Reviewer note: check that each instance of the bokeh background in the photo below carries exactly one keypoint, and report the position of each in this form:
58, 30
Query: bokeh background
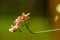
41, 18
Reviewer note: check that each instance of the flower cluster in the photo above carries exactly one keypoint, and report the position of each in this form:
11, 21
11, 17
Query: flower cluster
19, 21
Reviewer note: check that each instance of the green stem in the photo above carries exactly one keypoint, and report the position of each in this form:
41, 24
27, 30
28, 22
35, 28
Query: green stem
27, 26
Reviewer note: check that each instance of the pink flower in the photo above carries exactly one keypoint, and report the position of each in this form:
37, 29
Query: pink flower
25, 16
18, 21
13, 28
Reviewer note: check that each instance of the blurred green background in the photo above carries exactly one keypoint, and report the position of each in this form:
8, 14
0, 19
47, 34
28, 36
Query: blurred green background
11, 9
